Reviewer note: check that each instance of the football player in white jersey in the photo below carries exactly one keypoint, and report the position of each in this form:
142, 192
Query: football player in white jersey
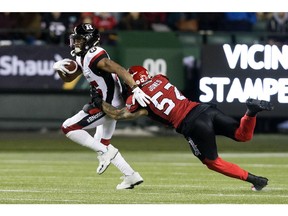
102, 74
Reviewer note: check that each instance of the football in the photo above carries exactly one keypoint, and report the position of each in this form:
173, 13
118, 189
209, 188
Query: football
72, 66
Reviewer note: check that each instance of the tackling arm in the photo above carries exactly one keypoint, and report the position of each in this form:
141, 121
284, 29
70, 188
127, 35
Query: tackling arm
122, 114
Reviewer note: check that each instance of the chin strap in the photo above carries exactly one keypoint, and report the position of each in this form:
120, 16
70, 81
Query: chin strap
73, 53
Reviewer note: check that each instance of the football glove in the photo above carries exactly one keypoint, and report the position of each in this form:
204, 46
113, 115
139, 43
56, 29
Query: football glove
96, 97
141, 97
60, 66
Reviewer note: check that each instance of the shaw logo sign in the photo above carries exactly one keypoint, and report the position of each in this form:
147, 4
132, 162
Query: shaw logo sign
28, 67
13, 66
232, 74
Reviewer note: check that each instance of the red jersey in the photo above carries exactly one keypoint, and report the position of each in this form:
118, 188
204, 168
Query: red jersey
167, 105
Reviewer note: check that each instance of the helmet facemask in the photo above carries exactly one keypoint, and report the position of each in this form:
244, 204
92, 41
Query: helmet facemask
83, 38
77, 44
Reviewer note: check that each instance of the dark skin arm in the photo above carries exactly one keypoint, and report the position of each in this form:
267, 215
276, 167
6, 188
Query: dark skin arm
122, 114
107, 65
110, 66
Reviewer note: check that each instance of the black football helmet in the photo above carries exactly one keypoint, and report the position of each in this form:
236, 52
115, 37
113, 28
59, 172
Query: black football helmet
86, 36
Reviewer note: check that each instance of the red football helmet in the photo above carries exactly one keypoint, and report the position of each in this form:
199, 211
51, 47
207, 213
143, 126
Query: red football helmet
139, 74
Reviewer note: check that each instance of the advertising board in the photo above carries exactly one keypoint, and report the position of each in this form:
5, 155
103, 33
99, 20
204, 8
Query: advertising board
230, 74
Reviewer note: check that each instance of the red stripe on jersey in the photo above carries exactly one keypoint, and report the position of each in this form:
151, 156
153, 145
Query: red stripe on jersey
94, 111
94, 83
71, 128
105, 141
103, 52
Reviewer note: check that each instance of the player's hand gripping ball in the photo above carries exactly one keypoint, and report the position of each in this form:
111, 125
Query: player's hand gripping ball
71, 66
66, 66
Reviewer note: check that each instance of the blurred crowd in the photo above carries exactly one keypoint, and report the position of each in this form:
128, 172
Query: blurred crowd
54, 28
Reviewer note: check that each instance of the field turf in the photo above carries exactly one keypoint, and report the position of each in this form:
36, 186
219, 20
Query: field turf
49, 169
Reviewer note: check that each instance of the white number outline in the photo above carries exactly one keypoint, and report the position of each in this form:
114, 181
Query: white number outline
171, 104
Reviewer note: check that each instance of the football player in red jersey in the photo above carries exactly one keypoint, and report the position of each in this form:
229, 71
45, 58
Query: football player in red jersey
199, 123
102, 74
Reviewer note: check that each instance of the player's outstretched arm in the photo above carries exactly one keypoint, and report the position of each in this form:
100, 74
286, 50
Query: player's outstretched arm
113, 67
121, 114
110, 66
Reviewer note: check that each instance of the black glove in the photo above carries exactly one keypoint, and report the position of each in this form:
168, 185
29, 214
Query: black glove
96, 97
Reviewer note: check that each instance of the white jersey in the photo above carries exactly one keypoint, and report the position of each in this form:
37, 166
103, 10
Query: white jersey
107, 83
